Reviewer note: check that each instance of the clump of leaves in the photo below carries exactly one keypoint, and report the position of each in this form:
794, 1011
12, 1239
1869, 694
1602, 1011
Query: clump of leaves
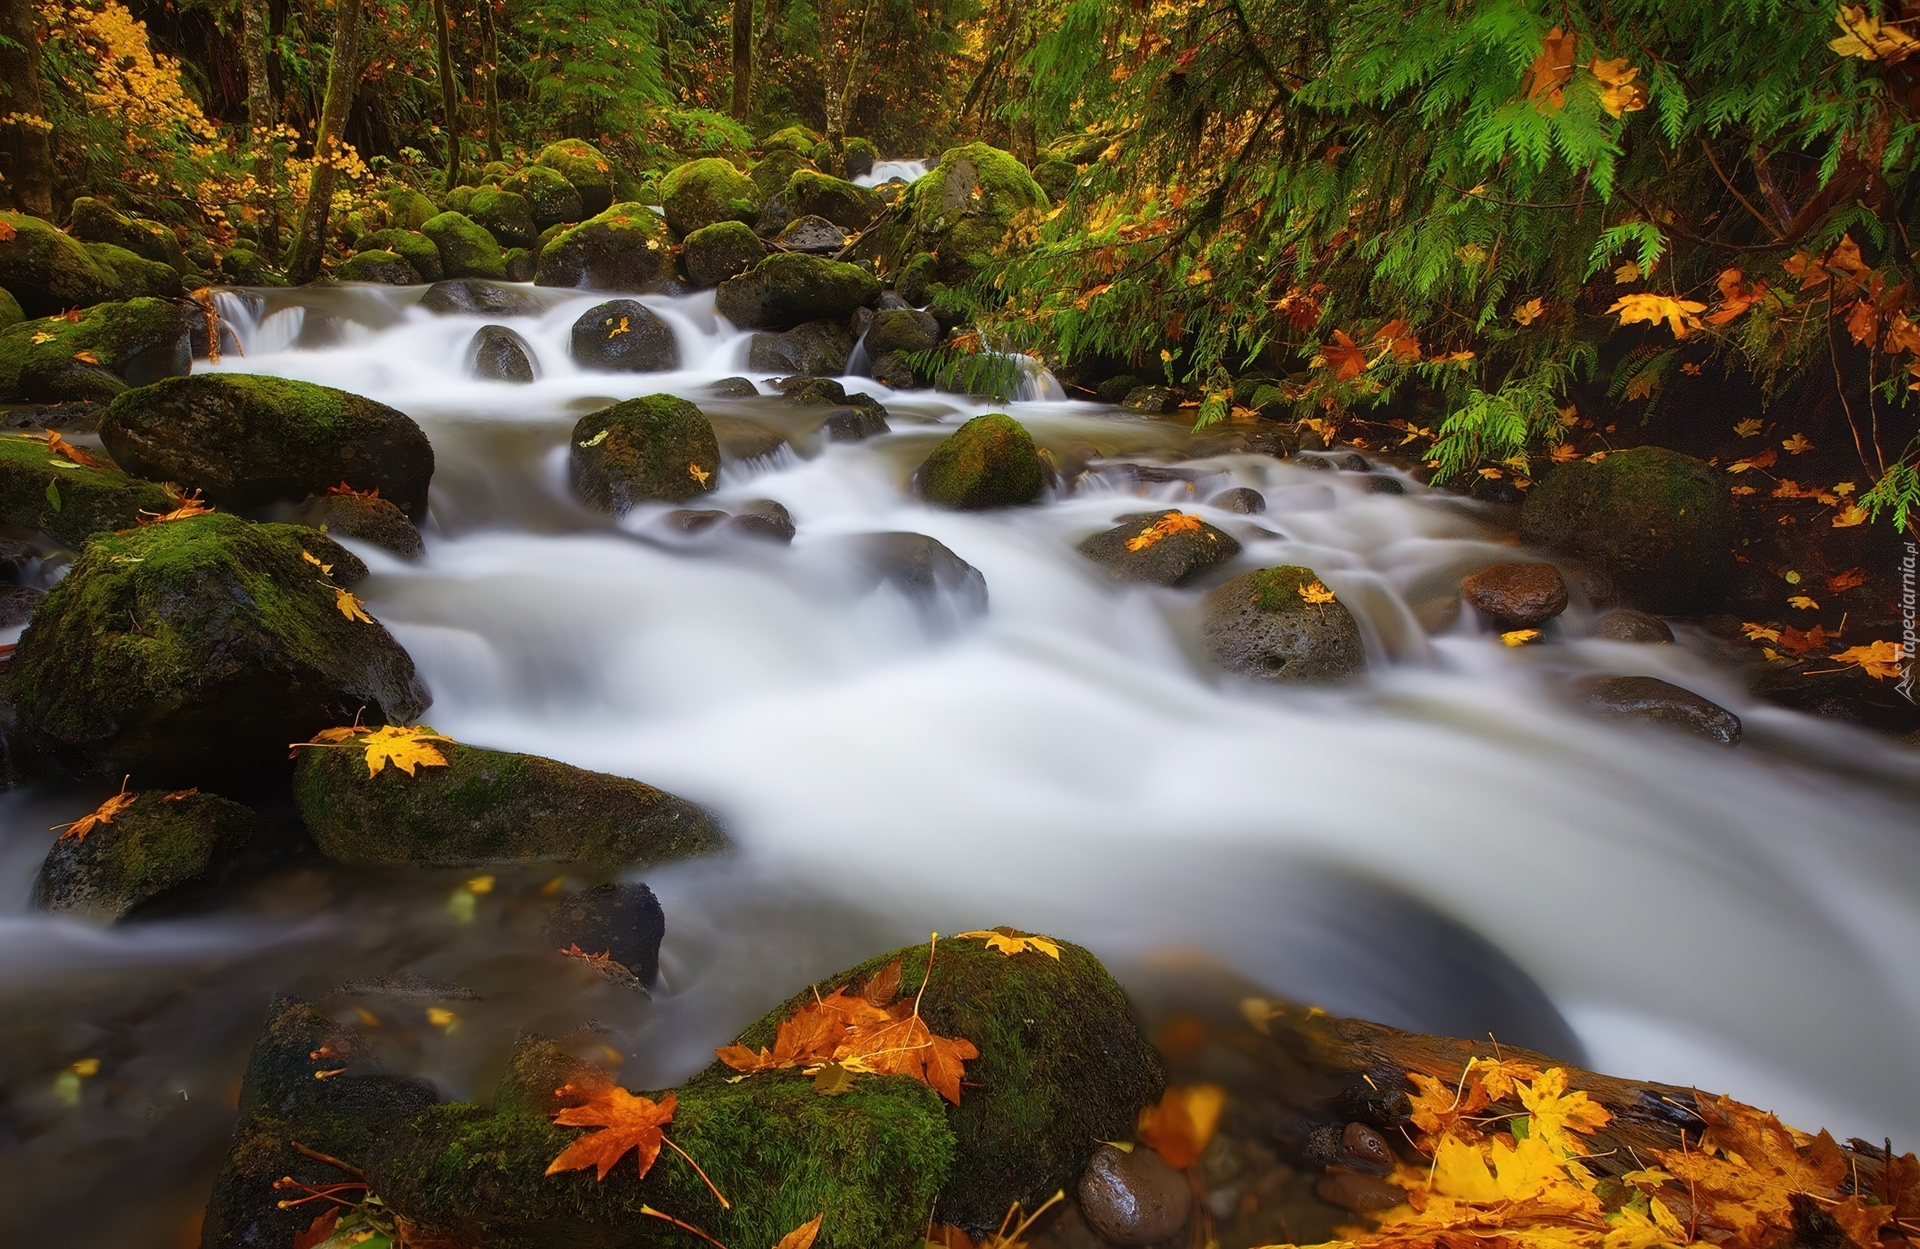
102, 814
1165, 527
406, 746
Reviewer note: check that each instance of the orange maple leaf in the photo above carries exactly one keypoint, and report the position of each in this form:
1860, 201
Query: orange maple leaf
802, 1236
907, 1047
102, 814
628, 1122
344, 489
1551, 70
1800, 643
1763, 460
1878, 660
1344, 357
1180, 1125
61, 447
189, 506
1841, 582
1165, 527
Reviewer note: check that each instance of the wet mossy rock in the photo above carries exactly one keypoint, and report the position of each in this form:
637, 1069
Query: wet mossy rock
96, 221
788, 289
1261, 625
134, 275
816, 349
550, 197
1172, 560
1660, 524
1063, 1066
48, 270
582, 165
192, 652
714, 253
658, 448
861, 156
491, 808
415, 247
990, 461
162, 842
407, 209
472, 297
797, 139
966, 207
702, 192
10, 313
387, 268
622, 249
505, 215
247, 440
466, 249
372, 520
773, 170
871, 1161
131, 344
847, 205
623, 336
70, 503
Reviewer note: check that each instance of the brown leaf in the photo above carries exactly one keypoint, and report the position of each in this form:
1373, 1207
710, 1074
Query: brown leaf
1551, 70
883, 986
320, 1230
802, 1236
627, 1122
1180, 1125
1344, 357
102, 814
1841, 582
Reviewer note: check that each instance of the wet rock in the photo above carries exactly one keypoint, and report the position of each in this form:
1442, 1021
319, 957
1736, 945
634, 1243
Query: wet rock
1150, 399
1660, 524
95, 221
1133, 1198
505, 215
522, 265
585, 169
18, 603
1382, 484
1173, 560
742, 439
814, 235
1517, 596
374, 520
845, 204
1353, 462
765, 519
733, 388
848, 424
247, 440
859, 156
551, 199
1260, 625
624, 248
387, 268
164, 841
788, 289
693, 520
989, 462
967, 206
921, 569
720, 251
492, 808
497, 354
1649, 698
192, 652
1624, 624
130, 344
817, 349
466, 249
1243, 499
473, 298
894, 371
772, 171
72, 503
702, 192
625, 336
621, 920
48, 270
1365, 1194
657, 448
902, 331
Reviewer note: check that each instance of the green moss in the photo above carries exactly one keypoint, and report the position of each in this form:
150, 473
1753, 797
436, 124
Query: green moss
505, 215
70, 503
492, 807
95, 221
582, 165
466, 249
48, 271
550, 197
407, 209
624, 248
1063, 1066
792, 139
701, 192
135, 343
714, 253
988, 462
377, 266
964, 209
654, 448
134, 275
241, 266
158, 844
10, 312
772, 171
789, 288
861, 156
415, 247
847, 205
460, 199
1278, 589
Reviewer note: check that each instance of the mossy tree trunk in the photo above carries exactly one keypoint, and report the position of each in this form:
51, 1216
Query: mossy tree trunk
263, 119
490, 77
449, 94
839, 102
23, 142
742, 58
343, 80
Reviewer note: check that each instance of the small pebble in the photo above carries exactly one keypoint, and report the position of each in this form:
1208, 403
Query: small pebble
1243, 499
1133, 1198
1624, 624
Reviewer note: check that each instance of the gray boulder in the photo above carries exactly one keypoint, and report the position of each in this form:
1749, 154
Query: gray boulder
623, 335
1261, 625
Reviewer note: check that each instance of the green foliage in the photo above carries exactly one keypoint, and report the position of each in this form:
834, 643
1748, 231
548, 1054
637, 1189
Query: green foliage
594, 67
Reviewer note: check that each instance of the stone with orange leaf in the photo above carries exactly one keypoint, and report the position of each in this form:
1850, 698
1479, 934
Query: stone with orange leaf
138, 846
1282, 624
1163, 548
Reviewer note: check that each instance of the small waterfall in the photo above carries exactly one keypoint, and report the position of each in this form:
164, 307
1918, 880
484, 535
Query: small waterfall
887, 170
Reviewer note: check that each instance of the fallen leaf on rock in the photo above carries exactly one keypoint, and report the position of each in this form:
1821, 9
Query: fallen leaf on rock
1800, 643
326, 570
350, 605
801, 1237
1849, 516
1764, 459
1749, 428
1802, 602
187, 507
1797, 444
1556, 1113
1165, 527
344, 490
1760, 632
405, 746
179, 795
602, 959
40, 336
627, 1122
1010, 942
60, 446
1179, 1126
1315, 593
86, 357
1878, 660
102, 814
699, 475
832, 1080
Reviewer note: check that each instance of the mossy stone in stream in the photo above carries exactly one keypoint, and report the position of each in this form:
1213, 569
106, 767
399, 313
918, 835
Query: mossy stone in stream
846, 204
624, 248
1660, 524
658, 448
717, 252
1063, 1065
861, 156
585, 168
988, 462
492, 807
160, 843
1173, 558
48, 270
966, 207
111, 347
134, 275
249, 440
796, 138
550, 197
389, 268
1261, 625
789, 289
373, 520
702, 192
69, 503
415, 247
505, 215
192, 652
466, 249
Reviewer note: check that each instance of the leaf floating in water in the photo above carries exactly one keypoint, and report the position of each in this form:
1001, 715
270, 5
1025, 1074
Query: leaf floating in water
1519, 637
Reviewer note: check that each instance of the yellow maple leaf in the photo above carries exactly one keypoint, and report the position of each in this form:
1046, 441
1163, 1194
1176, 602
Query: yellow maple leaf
350, 606
1501, 1076
1165, 527
1314, 592
1849, 516
102, 814
1760, 632
311, 558
86, 357
405, 746
617, 330
1556, 1113
1519, 637
1749, 428
40, 336
1630, 1229
1682, 316
1802, 602
1564, 453
1797, 444
1529, 312
1010, 943
1866, 37
801, 1237
1878, 660
1629, 272
1619, 93
699, 475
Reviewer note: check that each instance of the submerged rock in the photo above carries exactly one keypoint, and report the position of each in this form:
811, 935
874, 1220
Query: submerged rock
1650, 698
497, 354
70, 503
474, 298
922, 569
1243, 499
733, 388
656, 448
247, 440
1517, 596
624, 336
1189, 548
717, 252
816, 349
110, 348
621, 249
160, 843
1624, 624
788, 289
194, 651
764, 519
1260, 625
990, 461
1133, 1197
621, 920
492, 808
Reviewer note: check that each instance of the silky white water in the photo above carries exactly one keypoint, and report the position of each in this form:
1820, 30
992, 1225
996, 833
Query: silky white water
1738, 920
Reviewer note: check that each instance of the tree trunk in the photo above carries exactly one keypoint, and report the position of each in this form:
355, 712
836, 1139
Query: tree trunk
449, 97
837, 105
490, 78
23, 142
343, 80
263, 119
742, 58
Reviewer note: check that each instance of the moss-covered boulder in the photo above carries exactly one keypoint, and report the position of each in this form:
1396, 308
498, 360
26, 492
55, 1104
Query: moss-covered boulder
796, 138
192, 652
408, 209
460, 198
1055, 176
1266, 625
860, 156
1063, 1065
471, 297
772, 172
134, 275
466, 249
714, 253
657, 448
623, 336
704, 191
370, 519
582, 165
988, 462
506, 215
248, 440
625, 248
387, 268
10, 311
416, 248
1165, 548
49, 270
165, 840
550, 197
904, 330
96, 221
111, 347
50, 494
492, 808
1660, 524
847, 205
965, 208
787, 289
522, 264
242, 266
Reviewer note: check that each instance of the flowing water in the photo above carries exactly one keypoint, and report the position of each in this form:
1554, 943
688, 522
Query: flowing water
886, 170
1442, 846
